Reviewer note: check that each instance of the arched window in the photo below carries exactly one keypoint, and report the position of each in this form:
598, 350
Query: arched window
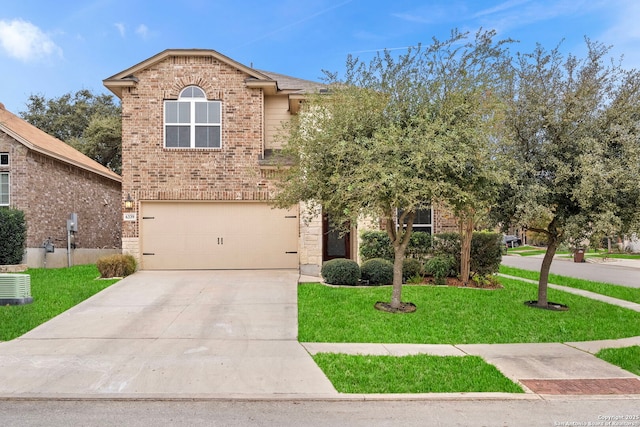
192, 121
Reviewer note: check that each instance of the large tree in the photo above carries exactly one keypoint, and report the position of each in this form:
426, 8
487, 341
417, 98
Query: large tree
470, 113
380, 142
574, 148
90, 123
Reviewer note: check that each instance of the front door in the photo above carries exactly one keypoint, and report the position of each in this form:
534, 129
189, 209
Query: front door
334, 243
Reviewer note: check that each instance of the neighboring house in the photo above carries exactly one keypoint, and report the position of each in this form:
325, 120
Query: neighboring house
49, 180
198, 130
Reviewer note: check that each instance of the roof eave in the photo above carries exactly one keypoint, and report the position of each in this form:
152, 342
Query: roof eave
270, 87
112, 175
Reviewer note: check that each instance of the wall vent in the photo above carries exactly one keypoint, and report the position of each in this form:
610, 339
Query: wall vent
15, 289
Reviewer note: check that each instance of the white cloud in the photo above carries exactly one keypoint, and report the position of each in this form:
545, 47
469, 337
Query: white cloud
121, 28
142, 31
623, 33
26, 42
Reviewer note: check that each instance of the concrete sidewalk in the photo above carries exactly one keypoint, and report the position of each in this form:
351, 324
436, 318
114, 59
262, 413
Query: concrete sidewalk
545, 369
233, 335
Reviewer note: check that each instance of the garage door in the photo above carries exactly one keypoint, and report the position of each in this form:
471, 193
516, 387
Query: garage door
224, 235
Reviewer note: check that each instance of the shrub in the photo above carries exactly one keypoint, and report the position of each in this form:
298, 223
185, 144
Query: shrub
377, 271
116, 265
411, 268
341, 271
420, 245
486, 251
13, 236
440, 267
375, 244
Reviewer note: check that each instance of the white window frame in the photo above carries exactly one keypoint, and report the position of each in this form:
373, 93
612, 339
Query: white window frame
4, 156
415, 224
8, 193
193, 99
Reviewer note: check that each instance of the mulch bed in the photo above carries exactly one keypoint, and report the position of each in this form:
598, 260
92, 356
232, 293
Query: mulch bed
454, 281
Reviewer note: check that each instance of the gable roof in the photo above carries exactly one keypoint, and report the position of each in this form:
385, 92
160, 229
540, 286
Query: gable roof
270, 82
43, 143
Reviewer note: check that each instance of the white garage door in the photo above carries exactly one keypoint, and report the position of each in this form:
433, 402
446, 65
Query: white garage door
217, 235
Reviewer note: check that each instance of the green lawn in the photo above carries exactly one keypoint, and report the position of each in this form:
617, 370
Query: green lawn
615, 291
53, 291
448, 315
627, 357
413, 374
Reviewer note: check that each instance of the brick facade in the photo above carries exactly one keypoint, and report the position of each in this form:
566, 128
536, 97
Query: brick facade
152, 172
49, 190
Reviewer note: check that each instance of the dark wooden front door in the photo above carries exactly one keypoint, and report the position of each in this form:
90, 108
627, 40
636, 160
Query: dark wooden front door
334, 244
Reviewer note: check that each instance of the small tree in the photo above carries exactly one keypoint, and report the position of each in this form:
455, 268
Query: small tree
13, 236
574, 149
380, 144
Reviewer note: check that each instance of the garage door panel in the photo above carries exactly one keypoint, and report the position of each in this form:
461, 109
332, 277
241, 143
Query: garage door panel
222, 235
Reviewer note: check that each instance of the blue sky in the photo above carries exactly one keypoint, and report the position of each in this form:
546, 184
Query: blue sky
55, 47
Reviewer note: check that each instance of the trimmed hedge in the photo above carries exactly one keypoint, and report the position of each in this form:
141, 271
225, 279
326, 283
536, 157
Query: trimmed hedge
486, 250
13, 236
376, 244
377, 271
440, 267
116, 265
411, 267
341, 271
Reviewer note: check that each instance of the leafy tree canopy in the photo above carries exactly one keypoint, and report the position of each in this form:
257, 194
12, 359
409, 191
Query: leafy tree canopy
393, 135
90, 123
574, 148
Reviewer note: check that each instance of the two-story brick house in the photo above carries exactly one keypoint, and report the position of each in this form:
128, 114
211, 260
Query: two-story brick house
197, 130
49, 180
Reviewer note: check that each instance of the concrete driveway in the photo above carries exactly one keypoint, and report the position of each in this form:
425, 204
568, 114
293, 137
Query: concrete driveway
185, 334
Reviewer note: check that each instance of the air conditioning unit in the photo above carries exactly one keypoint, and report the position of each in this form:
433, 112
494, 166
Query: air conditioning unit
15, 289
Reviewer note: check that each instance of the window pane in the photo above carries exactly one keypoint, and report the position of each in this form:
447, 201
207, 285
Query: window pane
170, 112
177, 136
214, 112
184, 112
208, 112
423, 216
201, 112
4, 189
4, 159
192, 92
207, 136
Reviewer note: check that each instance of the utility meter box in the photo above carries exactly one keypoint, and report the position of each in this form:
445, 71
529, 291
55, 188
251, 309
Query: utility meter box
72, 223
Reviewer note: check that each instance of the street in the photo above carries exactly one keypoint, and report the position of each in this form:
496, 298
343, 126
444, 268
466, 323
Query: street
437, 412
625, 273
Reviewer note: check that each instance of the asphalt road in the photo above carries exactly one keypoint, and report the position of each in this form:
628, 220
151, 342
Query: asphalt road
489, 413
625, 273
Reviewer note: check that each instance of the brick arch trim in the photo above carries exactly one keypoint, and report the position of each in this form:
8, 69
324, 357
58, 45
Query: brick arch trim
210, 91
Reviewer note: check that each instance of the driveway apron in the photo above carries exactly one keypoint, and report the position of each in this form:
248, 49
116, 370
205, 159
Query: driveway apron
170, 334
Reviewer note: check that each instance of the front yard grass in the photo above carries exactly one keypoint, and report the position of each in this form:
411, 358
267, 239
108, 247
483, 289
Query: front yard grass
449, 315
615, 291
54, 291
413, 374
627, 357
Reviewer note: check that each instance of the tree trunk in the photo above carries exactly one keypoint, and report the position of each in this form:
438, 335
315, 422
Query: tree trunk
466, 234
400, 241
544, 272
396, 295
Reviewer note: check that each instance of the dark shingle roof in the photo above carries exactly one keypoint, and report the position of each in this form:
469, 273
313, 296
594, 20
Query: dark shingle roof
293, 84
